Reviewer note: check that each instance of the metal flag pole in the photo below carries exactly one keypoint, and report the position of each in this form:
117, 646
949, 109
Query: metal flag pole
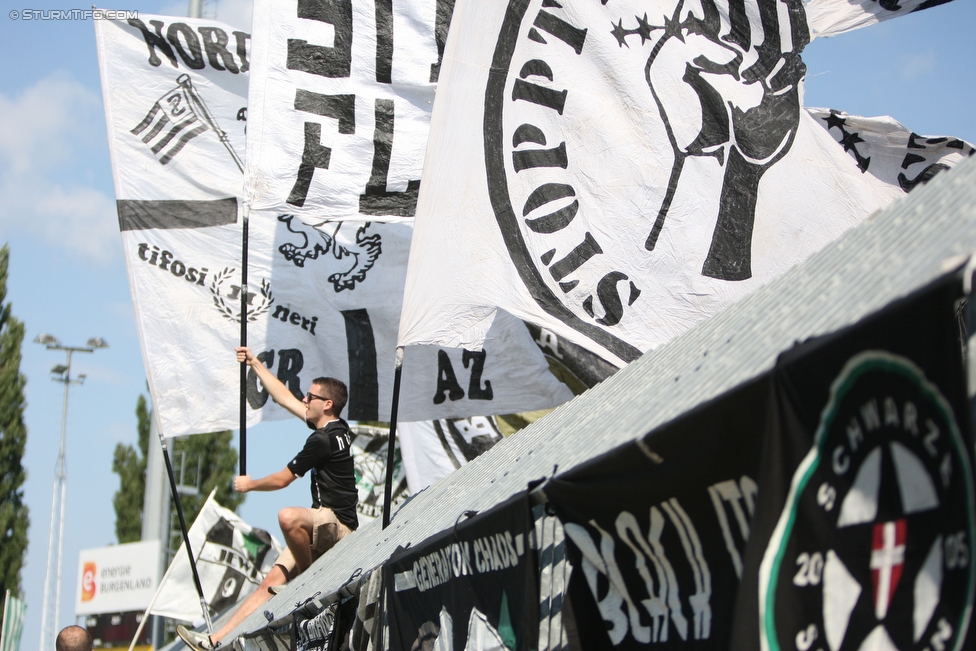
207, 116
242, 442
391, 443
186, 534
201, 109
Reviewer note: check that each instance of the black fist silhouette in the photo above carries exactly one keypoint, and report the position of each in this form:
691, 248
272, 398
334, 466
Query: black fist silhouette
725, 78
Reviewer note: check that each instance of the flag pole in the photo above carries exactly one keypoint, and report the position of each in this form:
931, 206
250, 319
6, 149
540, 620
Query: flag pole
187, 84
186, 535
146, 614
242, 442
391, 443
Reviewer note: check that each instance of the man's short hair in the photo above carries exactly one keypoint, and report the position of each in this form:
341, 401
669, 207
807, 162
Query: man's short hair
335, 390
73, 638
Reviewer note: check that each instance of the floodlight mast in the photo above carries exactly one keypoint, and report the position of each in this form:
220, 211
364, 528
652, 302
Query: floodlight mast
51, 609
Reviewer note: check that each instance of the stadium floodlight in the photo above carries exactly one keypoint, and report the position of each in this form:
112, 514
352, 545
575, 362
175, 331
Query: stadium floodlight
51, 606
46, 339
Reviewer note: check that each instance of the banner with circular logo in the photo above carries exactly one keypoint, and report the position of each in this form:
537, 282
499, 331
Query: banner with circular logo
873, 535
618, 171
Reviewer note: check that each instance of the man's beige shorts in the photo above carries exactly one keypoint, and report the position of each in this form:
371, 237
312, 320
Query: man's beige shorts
326, 532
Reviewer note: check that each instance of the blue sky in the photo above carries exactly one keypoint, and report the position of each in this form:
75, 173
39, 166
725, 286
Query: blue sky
67, 276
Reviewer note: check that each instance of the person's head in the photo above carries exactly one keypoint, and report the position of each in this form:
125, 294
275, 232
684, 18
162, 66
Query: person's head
324, 401
73, 638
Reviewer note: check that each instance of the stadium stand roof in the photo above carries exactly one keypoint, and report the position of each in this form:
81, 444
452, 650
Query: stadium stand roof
888, 256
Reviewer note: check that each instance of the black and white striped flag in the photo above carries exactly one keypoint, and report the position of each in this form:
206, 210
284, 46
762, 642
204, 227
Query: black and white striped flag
171, 122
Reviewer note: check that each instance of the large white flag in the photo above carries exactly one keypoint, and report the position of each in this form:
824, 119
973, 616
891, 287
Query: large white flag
889, 151
618, 171
175, 95
337, 290
323, 298
232, 559
341, 94
339, 108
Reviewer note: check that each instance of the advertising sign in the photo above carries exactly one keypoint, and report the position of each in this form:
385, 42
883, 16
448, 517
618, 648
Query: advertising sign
117, 578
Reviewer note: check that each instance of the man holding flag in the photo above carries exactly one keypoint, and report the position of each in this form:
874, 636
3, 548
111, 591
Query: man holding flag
309, 533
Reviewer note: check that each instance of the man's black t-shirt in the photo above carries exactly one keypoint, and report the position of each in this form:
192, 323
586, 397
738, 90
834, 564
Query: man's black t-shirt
334, 480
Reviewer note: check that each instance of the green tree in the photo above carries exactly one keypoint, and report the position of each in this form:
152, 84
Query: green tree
14, 518
201, 460
130, 465
207, 461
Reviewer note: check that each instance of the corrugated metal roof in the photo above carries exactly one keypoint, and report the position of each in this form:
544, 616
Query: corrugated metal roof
888, 256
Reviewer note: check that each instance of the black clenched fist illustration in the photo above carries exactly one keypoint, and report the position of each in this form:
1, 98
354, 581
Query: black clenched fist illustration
725, 77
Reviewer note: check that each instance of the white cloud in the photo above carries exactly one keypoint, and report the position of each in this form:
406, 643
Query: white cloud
35, 128
82, 218
176, 8
52, 144
108, 374
917, 65
118, 432
236, 13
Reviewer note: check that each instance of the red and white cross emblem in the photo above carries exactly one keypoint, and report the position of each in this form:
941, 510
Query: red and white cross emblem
887, 562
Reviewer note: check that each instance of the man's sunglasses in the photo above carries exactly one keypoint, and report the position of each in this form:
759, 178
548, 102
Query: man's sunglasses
311, 396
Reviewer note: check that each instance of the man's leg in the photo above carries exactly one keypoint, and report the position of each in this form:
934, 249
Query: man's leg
297, 525
254, 600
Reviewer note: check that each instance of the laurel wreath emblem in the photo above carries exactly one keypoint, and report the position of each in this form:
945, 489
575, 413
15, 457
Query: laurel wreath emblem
267, 298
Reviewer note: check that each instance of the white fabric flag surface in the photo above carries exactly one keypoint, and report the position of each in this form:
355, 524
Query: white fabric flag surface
615, 172
889, 151
434, 449
232, 558
322, 301
336, 314
341, 94
175, 93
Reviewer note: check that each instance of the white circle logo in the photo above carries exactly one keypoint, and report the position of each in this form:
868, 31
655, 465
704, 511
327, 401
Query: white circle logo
703, 103
872, 550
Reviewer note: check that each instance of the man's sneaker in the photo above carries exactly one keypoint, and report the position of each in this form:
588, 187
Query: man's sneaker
196, 641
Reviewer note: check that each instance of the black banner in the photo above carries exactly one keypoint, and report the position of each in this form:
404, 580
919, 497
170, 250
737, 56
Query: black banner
656, 528
866, 520
475, 583
329, 629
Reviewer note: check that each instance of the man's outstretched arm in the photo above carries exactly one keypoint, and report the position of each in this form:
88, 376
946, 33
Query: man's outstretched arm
273, 482
275, 387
